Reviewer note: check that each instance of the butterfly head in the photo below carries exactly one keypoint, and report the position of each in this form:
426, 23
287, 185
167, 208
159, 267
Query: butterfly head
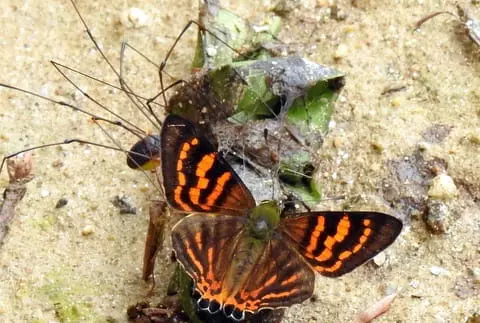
145, 154
263, 220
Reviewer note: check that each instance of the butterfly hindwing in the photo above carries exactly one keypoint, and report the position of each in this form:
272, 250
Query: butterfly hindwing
196, 177
204, 244
335, 243
279, 279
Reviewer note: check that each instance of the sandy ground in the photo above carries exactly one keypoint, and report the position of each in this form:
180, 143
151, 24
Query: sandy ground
48, 266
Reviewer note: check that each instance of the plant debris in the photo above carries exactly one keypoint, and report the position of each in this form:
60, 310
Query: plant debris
377, 309
20, 172
471, 24
123, 203
155, 237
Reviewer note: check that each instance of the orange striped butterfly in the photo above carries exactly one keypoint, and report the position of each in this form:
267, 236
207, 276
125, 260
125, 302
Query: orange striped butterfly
244, 257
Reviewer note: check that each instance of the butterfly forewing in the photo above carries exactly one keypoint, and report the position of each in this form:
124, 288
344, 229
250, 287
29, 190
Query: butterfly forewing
335, 243
195, 176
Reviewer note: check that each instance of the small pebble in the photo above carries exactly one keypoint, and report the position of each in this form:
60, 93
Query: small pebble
135, 18
349, 28
475, 138
337, 142
211, 51
332, 124
380, 259
124, 204
396, 102
423, 146
377, 146
442, 188
61, 203
475, 272
341, 52
437, 216
44, 193
475, 318
435, 270
88, 230
323, 3
414, 284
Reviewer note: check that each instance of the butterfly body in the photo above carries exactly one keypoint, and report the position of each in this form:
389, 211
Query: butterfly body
244, 257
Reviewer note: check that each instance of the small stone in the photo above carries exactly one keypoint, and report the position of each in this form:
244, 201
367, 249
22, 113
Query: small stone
377, 146
390, 289
88, 230
323, 3
475, 138
475, 318
435, 270
135, 18
124, 204
337, 142
423, 146
349, 28
332, 124
362, 4
475, 272
396, 102
437, 216
341, 52
380, 259
442, 188
61, 203
211, 51
414, 284
44, 193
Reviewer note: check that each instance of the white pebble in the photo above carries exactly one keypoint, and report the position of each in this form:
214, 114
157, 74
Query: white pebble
435, 270
414, 284
135, 18
331, 124
44, 193
211, 51
88, 230
341, 52
442, 188
380, 259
